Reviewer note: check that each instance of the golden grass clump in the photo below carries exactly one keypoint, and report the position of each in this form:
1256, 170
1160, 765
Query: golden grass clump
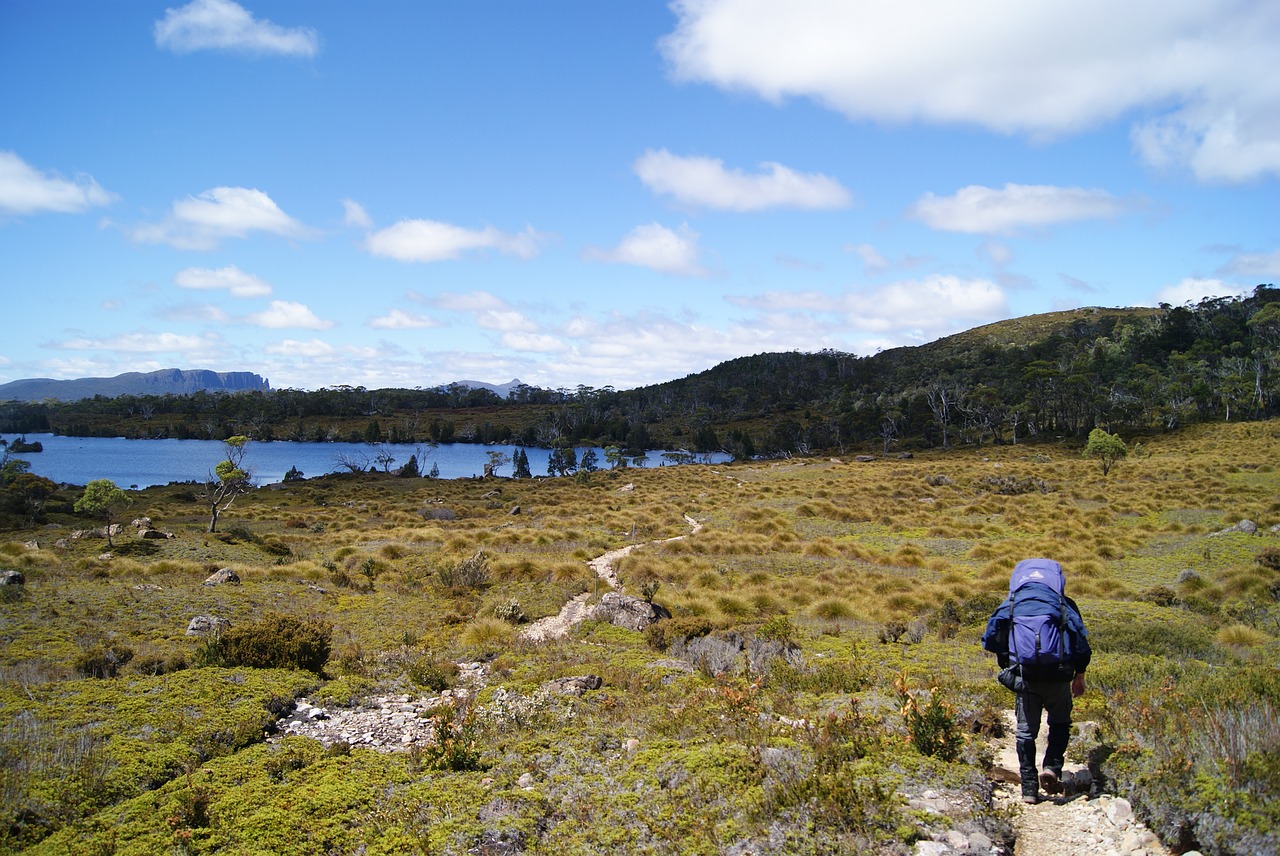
1240, 636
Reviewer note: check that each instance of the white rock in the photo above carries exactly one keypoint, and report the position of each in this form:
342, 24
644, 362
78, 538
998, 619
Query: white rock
1120, 812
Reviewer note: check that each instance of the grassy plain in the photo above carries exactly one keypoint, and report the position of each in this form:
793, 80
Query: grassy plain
843, 679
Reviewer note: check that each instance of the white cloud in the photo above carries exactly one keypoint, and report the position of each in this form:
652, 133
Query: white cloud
1254, 264
224, 25
312, 349
704, 182
933, 305
26, 190
1193, 290
143, 342
235, 281
286, 313
657, 247
534, 342
355, 215
398, 319
983, 210
906, 312
196, 313
433, 241
472, 301
1195, 67
202, 222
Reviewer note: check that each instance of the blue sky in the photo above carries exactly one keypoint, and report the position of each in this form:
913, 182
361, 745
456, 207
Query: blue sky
407, 193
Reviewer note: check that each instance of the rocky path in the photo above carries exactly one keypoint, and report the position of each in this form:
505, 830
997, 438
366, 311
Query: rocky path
606, 568
1072, 823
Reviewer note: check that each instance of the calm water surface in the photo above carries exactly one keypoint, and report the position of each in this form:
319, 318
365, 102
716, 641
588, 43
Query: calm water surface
143, 463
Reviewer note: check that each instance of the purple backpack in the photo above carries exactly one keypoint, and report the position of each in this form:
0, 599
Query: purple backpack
1037, 633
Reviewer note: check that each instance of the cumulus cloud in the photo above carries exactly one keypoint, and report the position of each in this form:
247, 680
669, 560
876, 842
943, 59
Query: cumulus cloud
705, 182
904, 312
398, 319
227, 26
433, 241
657, 247
1193, 68
288, 314
235, 281
353, 214
488, 311
26, 190
203, 222
1193, 290
984, 210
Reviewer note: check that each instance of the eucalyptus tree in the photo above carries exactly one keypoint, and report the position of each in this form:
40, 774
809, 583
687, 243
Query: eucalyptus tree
228, 480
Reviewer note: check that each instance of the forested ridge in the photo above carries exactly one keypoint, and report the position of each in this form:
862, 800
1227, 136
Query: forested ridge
1058, 374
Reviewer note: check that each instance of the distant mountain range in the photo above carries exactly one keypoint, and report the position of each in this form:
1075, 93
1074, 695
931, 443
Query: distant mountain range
163, 382
502, 390
170, 382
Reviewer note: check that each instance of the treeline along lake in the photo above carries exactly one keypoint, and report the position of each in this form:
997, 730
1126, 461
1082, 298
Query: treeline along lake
144, 463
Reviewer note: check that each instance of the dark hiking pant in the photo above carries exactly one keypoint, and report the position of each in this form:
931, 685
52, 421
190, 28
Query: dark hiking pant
1042, 698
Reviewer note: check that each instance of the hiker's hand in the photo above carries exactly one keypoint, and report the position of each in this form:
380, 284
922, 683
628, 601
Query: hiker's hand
1077, 686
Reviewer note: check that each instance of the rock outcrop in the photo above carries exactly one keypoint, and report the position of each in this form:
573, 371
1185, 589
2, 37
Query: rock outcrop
624, 610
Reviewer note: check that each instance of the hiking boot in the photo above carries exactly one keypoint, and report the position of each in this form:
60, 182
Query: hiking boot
1051, 781
1030, 799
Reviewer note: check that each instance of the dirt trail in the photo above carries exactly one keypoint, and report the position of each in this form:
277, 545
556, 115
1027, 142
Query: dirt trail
606, 568
1072, 823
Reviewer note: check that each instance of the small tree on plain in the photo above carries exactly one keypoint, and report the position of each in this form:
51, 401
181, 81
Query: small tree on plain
497, 460
1107, 448
101, 498
229, 480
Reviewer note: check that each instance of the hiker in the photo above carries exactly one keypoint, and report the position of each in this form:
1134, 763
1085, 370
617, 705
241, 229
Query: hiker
1042, 646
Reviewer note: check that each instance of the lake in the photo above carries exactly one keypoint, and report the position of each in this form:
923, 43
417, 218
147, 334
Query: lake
143, 463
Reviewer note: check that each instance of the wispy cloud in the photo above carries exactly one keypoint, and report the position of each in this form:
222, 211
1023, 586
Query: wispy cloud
226, 26
873, 262
26, 190
202, 222
434, 241
283, 314
236, 282
986, 211
144, 342
1254, 264
656, 247
704, 182
398, 319
355, 215
1012, 67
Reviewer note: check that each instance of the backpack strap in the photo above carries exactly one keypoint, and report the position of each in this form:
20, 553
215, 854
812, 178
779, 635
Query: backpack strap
1012, 644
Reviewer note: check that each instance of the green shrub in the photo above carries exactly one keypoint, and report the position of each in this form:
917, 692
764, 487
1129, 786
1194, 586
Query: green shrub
662, 634
277, 642
103, 661
1169, 638
433, 675
456, 745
